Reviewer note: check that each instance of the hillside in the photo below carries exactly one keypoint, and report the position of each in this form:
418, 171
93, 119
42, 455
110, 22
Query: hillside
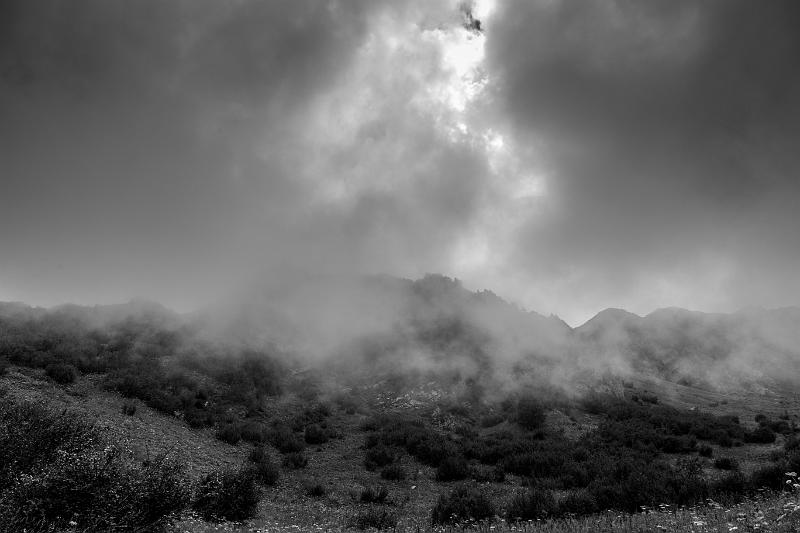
440, 401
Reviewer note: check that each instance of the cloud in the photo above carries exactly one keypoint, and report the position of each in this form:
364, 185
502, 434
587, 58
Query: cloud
569, 156
666, 129
178, 149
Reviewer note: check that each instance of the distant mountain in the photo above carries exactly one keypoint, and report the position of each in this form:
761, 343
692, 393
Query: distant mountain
434, 325
712, 349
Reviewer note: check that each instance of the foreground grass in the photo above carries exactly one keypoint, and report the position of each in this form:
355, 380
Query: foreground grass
765, 513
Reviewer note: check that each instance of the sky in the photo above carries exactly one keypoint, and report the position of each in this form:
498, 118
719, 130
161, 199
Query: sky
569, 156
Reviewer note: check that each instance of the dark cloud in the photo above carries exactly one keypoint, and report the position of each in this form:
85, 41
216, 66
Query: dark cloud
669, 129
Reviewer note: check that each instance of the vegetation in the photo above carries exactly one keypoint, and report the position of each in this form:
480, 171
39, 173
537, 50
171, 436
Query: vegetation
58, 469
463, 504
228, 495
637, 452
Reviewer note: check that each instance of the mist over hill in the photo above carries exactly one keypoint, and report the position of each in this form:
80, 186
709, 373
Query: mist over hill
435, 328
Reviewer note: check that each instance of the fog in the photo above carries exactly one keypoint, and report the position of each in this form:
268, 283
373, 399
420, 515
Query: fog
568, 157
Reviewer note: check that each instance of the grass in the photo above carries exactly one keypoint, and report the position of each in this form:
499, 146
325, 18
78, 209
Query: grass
764, 513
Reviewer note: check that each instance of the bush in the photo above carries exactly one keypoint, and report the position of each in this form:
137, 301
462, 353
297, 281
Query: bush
394, 472
253, 432
374, 518
706, 451
54, 467
230, 433
531, 505
129, 408
732, 483
486, 473
726, 463
452, 468
377, 494
316, 490
492, 420
530, 413
761, 435
295, 460
265, 471
462, 504
257, 454
61, 373
284, 439
314, 434
232, 495
577, 503
379, 455
769, 477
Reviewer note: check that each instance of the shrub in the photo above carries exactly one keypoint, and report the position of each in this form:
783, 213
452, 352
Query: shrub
316, 490
377, 494
284, 439
452, 468
705, 451
726, 463
491, 420
530, 413
379, 455
768, 477
314, 434
253, 432
312, 415
295, 460
61, 373
730, 483
577, 503
394, 472
461, 504
230, 433
3, 366
257, 454
265, 471
129, 408
762, 435
533, 504
232, 495
374, 518
347, 403
55, 466
792, 443
486, 473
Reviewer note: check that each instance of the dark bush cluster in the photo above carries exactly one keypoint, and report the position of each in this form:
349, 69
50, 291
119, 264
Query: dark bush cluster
726, 463
228, 495
394, 472
464, 503
295, 460
61, 373
316, 490
56, 468
265, 471
530, 412
531, 505
315, 434
283, 438
427, 445
452, 468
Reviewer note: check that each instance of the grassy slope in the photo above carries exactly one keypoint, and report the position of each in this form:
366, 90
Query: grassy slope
338, 464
